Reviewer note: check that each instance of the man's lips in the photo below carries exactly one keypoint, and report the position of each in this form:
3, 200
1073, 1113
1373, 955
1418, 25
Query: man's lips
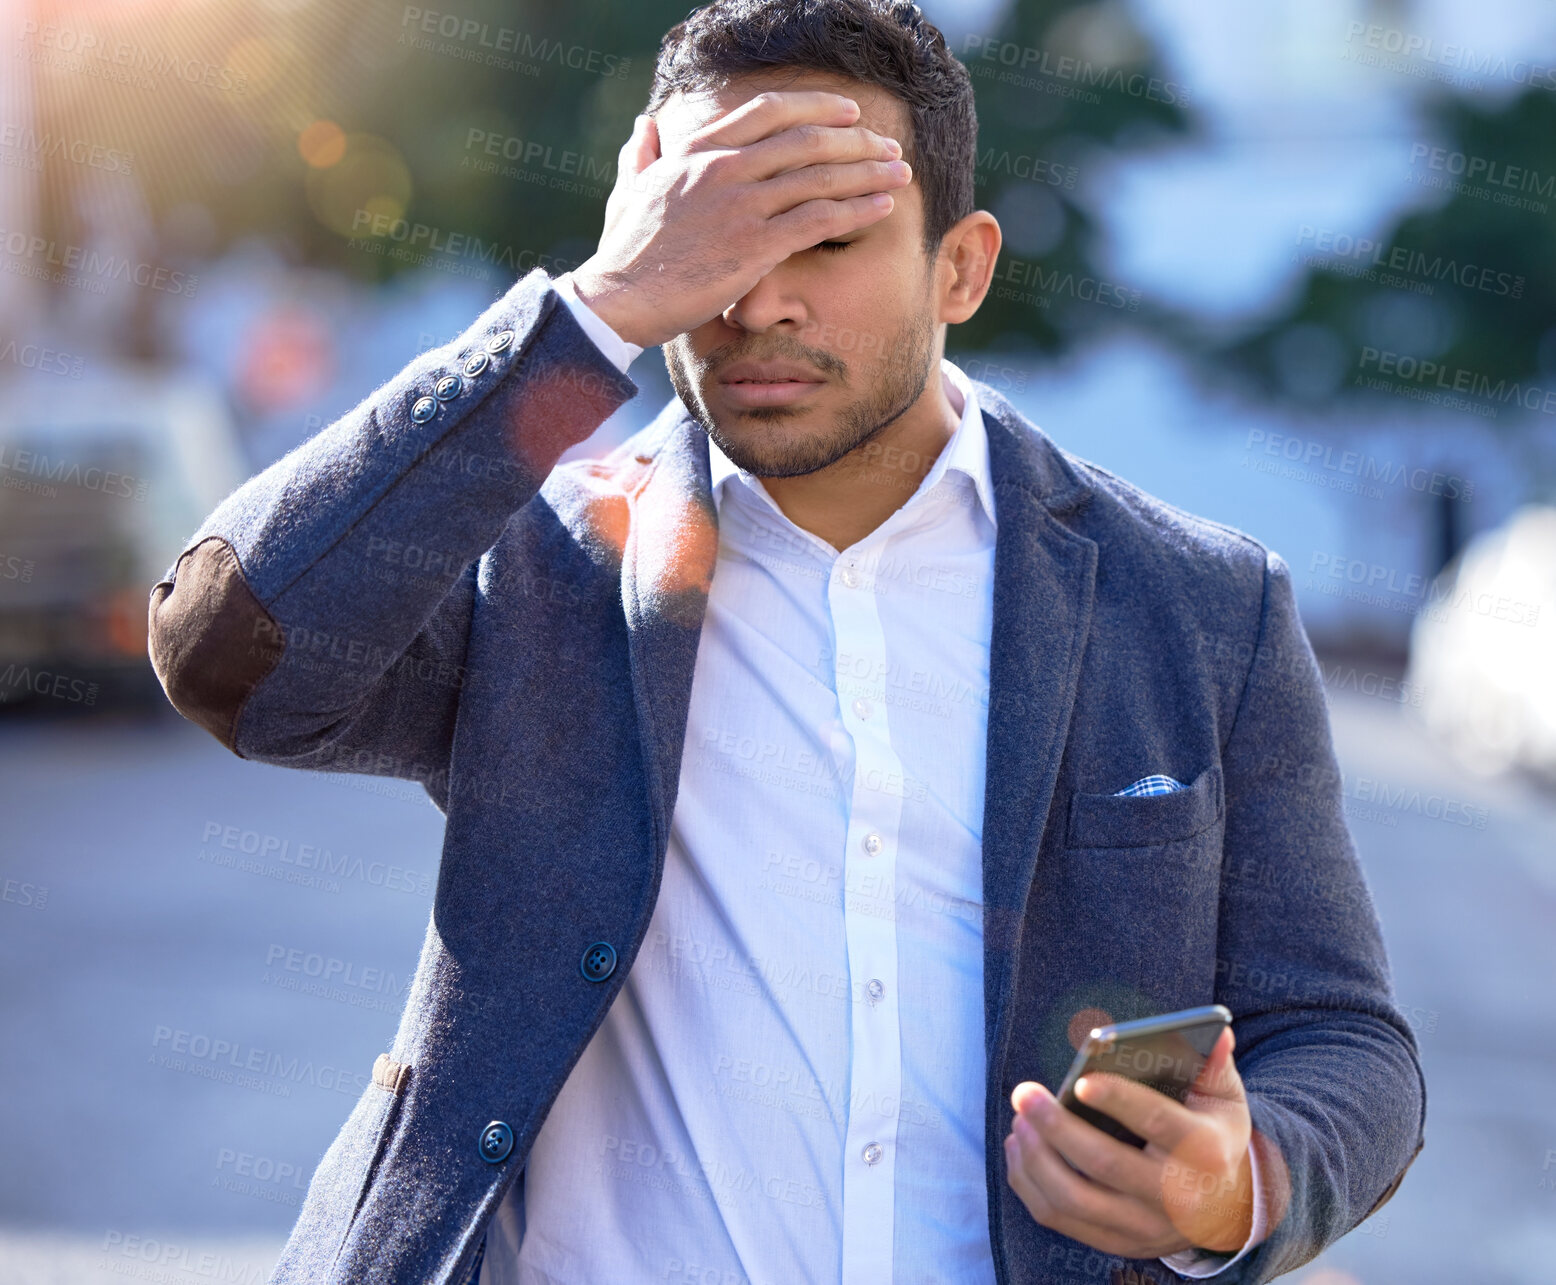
750, 394
752, 383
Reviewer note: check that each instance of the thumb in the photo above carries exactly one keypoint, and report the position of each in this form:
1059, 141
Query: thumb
1218, 1079
642, 149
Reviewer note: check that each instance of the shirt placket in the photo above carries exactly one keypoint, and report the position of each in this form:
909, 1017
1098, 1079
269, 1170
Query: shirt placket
870, 869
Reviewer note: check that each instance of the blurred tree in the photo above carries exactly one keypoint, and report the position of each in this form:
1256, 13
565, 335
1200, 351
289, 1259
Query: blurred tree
331, 129
493, 128
1062, 86
1452, 301
1057, 82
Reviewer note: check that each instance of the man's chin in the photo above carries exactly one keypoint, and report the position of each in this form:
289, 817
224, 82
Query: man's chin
769, 445
770, 414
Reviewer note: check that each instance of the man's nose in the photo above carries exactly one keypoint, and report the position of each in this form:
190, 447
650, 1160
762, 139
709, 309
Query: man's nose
770, 302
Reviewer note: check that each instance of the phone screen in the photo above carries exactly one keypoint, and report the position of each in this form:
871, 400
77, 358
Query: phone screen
1165, 1054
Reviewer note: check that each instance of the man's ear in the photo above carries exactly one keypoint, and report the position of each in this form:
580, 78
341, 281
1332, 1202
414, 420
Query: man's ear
964, 266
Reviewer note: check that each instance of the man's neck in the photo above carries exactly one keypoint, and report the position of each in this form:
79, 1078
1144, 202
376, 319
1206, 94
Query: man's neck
850, 498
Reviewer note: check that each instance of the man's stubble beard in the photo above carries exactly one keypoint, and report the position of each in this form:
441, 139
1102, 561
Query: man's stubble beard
903, 379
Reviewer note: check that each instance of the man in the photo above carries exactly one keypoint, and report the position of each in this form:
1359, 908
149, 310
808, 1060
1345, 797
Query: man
818, 767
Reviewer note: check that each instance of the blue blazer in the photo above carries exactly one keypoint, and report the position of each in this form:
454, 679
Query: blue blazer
419, 591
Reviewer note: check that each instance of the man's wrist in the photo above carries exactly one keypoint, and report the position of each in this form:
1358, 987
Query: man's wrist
1236, 1211
610, 304
621, 352
1199, 1263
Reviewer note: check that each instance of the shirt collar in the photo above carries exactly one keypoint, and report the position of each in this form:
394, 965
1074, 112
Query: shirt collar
967, 452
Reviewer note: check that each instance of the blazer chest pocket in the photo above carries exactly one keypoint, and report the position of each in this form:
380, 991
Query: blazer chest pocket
1126, 821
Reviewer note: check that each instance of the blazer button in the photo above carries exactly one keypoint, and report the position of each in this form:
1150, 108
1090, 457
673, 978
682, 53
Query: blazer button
476, 364
598, 962
499, 342
496, 1142
424, 410
447, 389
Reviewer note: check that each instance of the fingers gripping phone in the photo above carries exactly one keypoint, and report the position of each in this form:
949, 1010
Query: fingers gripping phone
1164, 1053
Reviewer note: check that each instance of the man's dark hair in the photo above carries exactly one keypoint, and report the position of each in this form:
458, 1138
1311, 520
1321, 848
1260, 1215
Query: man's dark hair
880, 42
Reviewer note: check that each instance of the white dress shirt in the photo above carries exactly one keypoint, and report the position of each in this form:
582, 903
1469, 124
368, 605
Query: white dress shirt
790, 1085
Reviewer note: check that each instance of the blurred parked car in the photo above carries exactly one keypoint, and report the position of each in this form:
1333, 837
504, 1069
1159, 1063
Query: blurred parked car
101, 482
1483, 648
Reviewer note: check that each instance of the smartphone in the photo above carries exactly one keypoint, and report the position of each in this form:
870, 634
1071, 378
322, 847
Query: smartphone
1163, 1053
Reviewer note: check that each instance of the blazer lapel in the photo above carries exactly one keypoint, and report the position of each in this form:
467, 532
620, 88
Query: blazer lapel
1044, 578
667, 569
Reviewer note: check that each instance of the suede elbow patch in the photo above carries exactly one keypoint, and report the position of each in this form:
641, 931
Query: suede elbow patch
211, 641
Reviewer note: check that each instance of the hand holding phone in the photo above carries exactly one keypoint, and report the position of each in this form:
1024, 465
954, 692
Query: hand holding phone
1164, 1053
1081, 1169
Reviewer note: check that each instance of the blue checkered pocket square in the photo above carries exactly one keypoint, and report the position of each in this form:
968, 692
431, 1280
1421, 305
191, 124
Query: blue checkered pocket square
1148, 785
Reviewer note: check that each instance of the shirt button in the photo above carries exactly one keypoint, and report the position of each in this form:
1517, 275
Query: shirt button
872, 843
850, 577
863, 708
875, 989
872, 1153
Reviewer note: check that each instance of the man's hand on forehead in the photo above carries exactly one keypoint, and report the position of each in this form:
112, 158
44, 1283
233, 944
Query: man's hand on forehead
692, 228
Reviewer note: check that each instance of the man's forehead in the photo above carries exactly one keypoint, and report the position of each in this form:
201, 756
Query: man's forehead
684, 113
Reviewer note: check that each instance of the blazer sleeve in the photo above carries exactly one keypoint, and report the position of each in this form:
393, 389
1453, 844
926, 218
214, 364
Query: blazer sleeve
1331, 1067
319, 616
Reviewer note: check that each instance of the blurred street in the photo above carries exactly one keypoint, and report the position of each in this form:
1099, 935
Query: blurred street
198, 1003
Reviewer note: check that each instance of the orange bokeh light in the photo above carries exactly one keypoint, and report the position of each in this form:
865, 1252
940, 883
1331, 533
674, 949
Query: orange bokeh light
322, 144
1082, 1023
